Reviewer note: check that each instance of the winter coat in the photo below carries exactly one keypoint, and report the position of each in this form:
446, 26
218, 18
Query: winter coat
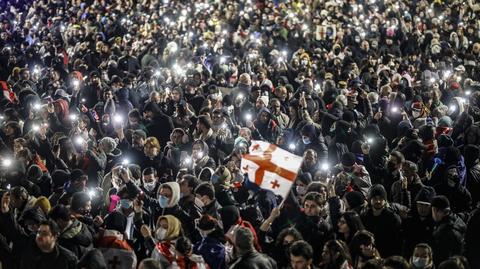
160, 127
448, 238
416, 230
76, 238
316, 231
358, 180
459, 197
473, 182
254, 260
266, 131
25, 251
386, 229
472, 239
33, 257
212, 251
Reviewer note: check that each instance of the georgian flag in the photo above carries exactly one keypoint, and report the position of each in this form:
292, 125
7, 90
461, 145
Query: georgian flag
271, 167
7, 92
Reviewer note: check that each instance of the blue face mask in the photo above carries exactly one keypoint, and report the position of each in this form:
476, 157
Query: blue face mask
419, 262
163, 201
126, 203
306, 140
214, 179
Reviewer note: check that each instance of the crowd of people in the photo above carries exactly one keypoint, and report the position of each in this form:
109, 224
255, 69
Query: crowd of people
124, 123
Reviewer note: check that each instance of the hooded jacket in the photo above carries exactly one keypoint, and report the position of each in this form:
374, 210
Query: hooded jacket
266, 131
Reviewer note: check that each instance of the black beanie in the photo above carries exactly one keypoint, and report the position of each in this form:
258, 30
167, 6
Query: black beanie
377, 190
76, 175
116, 221
59, 177
425, 195
354, 199
348, 159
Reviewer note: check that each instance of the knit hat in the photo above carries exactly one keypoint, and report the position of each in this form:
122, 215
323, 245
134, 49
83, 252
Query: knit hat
34, 173
354, 199
140, 133
240, 141
348, 159
76, 175
108, 144
348, 116
308, 130
116, 221
244, 238
441, 202
59, 177
425, 196
445, 121
377, 190
417, 106
264, 99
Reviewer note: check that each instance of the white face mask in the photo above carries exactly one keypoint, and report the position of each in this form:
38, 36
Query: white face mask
160, 233
199, 203
415, 114
149, 186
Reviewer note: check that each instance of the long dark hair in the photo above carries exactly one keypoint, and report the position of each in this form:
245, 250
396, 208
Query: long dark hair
335, 247
285, 232
354, 223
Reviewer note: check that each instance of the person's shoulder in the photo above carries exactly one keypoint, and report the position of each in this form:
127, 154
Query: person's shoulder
66, 254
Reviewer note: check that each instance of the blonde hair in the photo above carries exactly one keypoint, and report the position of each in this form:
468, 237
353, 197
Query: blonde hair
152, 142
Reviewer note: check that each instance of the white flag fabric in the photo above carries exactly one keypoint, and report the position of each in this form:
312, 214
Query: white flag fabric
271, 167
119, 258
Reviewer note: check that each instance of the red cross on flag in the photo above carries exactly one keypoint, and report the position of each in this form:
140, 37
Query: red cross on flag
271, 167
7, 92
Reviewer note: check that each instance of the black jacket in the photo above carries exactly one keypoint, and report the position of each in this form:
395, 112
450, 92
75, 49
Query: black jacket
386, 228
25, 251
416, 230
33, 257
76, 238
160, 127
448, 238
254, 260
316, 231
